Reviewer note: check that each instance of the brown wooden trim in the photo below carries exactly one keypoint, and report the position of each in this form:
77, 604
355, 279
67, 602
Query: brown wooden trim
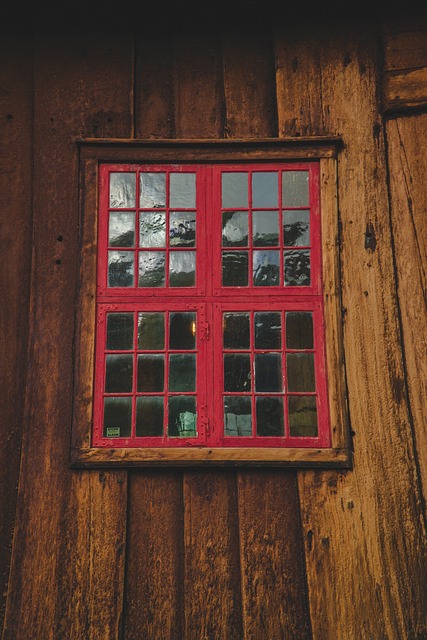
189, 456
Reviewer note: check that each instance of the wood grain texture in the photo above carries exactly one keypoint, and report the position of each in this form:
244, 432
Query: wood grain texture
405, 89
15, 267
406, 49
271, 558
273, 579
212, 595
69, 536
155, 557
364, 535
408, 168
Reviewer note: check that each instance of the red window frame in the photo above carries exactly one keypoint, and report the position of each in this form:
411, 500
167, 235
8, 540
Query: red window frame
209, 298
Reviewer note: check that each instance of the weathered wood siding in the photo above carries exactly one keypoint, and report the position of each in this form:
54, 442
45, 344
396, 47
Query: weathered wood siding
214, 554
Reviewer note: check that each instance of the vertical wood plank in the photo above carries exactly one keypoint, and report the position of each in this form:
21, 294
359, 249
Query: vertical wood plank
212, 573
15, 266
408, 168
273, 580
273, 577
154, 577
70, 531
364, 535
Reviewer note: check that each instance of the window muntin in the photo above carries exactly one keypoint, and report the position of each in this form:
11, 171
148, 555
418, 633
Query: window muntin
212, 233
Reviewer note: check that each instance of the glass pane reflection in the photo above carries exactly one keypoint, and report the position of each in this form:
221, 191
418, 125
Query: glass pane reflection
151, 331
237, 372
182, 268
151, 269
151, 373
182, 190
269, 416
234, 190
152, 229
266, 269
182, 331
182, 231
152, 190
300, 368
118, 376
117, 417
268, 372
296, 228
235, 269
119, 331
182, 416
303, 416
295, 188
237, 416
265, 189
121, 229
149, 416
122, 190
182, 372
235, 229
120, 268
297, 268
268, 330
265, 226
299, 330
236, 330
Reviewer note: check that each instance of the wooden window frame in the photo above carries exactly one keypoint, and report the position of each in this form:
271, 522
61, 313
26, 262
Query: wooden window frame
93, 153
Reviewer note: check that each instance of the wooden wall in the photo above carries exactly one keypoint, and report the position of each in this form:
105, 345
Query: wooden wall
213, 554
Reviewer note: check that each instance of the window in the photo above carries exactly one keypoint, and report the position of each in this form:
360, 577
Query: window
210, 340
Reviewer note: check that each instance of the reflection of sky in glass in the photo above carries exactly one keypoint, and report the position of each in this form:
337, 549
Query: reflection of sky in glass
234, 190
152, 229
152, 190
182, 261
183, 190
266, 268
265, 228
295, 188
234, 228
296, 228
122, 190
265, 189
120, 268
151, 269
121, 230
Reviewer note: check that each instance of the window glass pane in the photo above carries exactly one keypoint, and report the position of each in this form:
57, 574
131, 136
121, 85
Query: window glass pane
234, 190
152, 190
296, 228
269, 416
152, 229
268, 372
182, 372
300, 368
120, 268
119, 331
182, 231
122, 190
297, 268
268, 330
118, 376
237, 372
149, 416
151, 269
302, 416
183, 190
237, 416
117, 417
236, 330
266, 268
151, 331
265, 189
295, 188
265, 228
182, 268
151, 373
299, 330
182, 331
235, 269
235, 228
121, 229
182, 416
